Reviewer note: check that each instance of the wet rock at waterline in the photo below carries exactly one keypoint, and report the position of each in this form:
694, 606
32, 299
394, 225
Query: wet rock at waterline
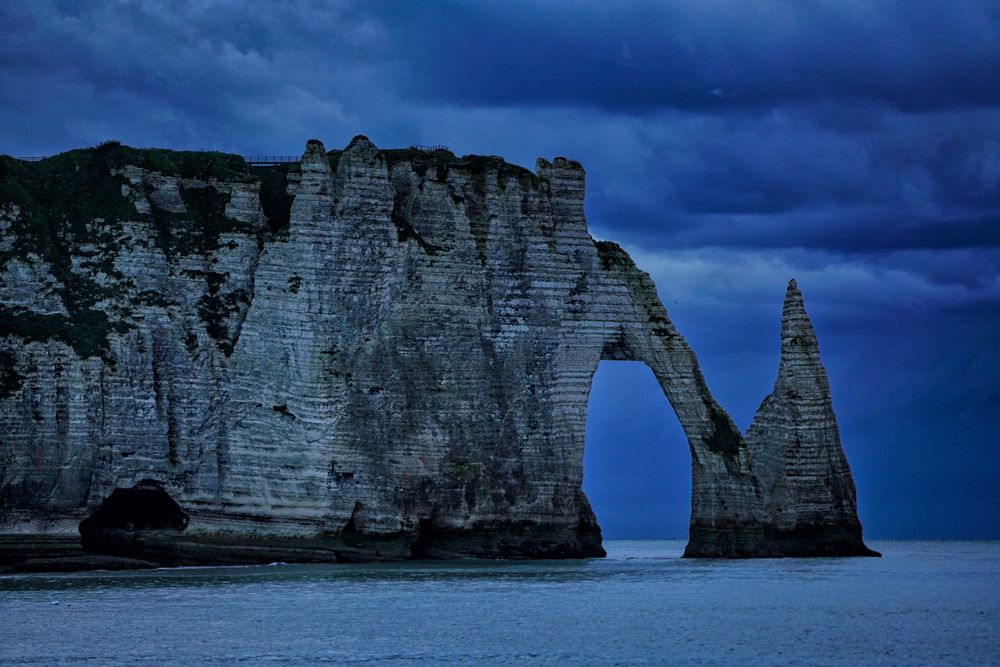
364, 355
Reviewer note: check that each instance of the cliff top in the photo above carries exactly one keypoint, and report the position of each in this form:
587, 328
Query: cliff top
66, 210
205, 165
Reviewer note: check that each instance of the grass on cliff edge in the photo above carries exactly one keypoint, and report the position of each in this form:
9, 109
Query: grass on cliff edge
59, 200
74, 198
443, 160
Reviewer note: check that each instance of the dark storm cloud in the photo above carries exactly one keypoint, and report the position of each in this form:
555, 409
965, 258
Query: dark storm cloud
212, 75
844, 230
787, 180
704, 56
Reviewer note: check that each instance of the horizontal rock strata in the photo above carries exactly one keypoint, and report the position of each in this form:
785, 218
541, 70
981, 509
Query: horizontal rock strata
369, 354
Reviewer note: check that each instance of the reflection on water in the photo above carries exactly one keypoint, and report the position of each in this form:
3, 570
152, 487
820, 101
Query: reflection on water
923, 602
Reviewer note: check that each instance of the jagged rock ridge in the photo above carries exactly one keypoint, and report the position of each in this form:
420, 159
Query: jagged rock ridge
366, 355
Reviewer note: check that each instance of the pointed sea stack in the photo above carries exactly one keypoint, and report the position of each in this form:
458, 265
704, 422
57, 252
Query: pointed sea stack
807, 487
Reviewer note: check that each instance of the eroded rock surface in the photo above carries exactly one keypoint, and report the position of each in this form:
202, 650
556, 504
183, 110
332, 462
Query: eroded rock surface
371, 354
810, 503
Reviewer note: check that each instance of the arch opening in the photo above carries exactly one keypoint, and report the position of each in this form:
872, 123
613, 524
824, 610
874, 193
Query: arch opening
637, 465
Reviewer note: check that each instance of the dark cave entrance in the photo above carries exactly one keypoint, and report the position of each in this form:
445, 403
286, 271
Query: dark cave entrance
637, 466
145, 506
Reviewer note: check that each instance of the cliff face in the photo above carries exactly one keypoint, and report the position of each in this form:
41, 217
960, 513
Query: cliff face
368, 354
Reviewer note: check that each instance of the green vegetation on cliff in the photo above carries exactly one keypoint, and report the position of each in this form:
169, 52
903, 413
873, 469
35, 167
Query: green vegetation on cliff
63, 201
197, 231
10, 379
60, 206
66, 212
442, 160
274, 198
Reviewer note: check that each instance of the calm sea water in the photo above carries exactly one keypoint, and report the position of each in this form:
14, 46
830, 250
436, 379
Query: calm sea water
934, 603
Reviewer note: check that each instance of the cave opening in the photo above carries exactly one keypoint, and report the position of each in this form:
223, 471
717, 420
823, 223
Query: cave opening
145, 506
637, 466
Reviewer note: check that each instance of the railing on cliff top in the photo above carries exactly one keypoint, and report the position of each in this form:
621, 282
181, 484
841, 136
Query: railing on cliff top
269, 160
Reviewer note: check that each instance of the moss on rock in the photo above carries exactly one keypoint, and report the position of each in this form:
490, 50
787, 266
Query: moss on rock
10, 379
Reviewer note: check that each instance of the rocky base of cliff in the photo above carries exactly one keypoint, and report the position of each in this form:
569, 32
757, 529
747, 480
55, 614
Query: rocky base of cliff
752, 541
20, 554
512, 541
119, 549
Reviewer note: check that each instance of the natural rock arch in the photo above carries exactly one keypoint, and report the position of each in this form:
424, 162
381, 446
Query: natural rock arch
783, 489
402, 369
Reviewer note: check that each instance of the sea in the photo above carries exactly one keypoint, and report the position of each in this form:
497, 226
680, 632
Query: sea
923, 603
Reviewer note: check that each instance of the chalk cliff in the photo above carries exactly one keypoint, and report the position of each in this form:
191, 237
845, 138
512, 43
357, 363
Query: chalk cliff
368, 354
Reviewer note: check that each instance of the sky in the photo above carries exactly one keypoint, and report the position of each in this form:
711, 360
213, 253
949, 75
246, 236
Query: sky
729, 146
